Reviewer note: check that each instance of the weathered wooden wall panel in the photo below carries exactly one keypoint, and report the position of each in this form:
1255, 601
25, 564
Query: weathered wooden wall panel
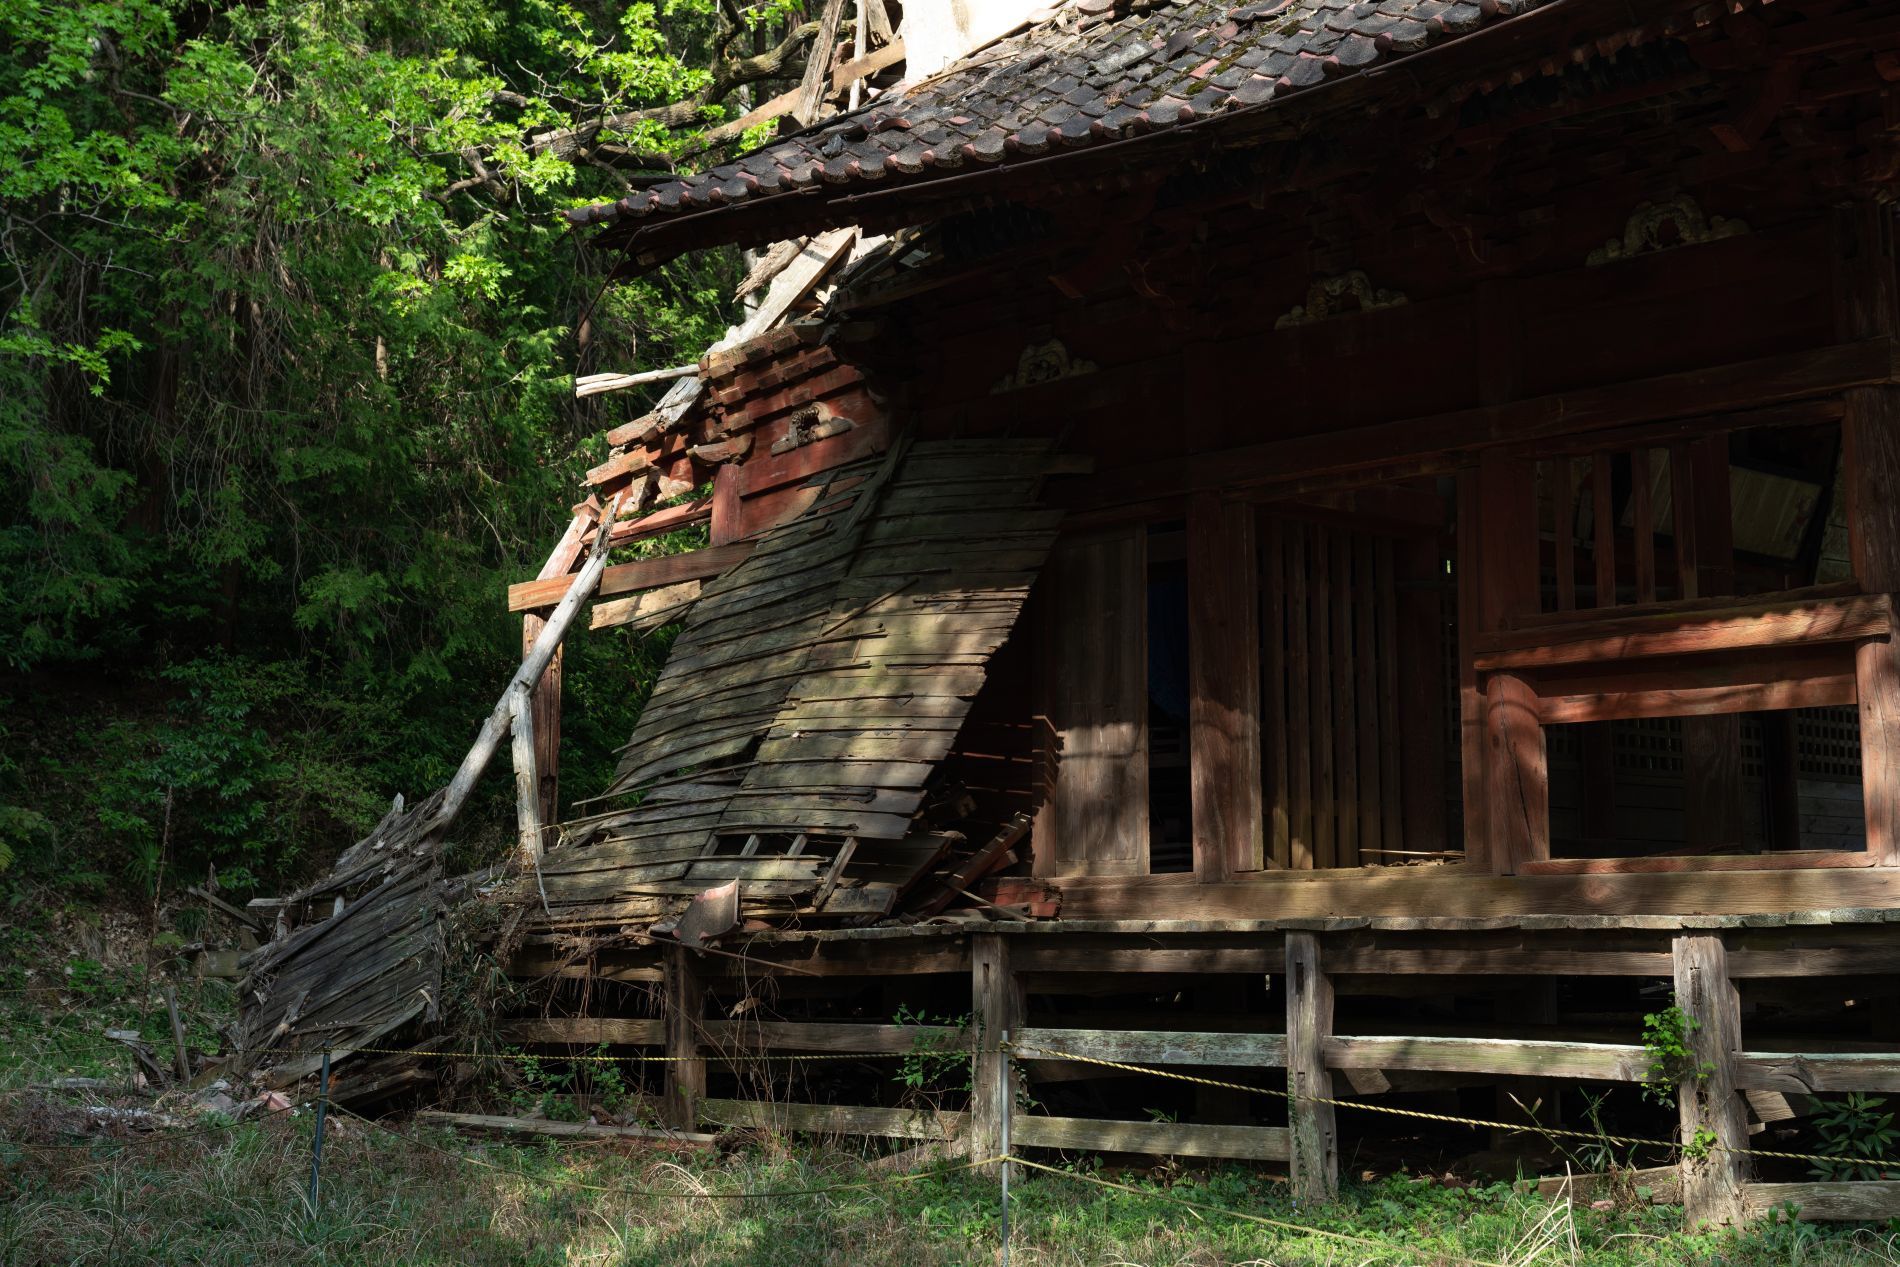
1092, 639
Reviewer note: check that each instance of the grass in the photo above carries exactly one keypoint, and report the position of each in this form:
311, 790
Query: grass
218, 1193
416, 1196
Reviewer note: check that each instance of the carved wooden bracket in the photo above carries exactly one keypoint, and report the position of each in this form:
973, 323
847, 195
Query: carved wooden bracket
1043, 363
1644, 235
1326, 298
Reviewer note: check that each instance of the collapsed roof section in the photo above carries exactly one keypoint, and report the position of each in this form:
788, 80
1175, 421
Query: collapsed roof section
791, 739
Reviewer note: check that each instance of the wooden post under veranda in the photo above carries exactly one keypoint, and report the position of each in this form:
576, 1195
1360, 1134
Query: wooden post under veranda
1714, 1114
1313, 1135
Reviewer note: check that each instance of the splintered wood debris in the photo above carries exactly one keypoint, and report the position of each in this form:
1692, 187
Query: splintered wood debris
815, 687
356, 960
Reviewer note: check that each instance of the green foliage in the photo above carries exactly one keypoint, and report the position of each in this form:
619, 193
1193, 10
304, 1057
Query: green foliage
1671, 1060
285, 403
1854, 1131
936, 1063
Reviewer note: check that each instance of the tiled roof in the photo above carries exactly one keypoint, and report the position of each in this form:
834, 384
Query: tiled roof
1098, 71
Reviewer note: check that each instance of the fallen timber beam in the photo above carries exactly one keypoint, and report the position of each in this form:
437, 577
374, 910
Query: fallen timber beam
643, 574
834, 1119
559, 1130
595, 384
574, 593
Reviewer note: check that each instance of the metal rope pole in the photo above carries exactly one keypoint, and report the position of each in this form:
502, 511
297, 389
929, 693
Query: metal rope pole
316, 1143
1006, 1108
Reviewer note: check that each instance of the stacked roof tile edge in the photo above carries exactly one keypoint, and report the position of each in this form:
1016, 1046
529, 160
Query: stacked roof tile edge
1099, 71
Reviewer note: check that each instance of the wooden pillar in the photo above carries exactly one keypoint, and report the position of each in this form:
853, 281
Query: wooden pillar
1474, 797
1224, 687
1417, 641
1865, 306
1711, 746
685, 999
1314, 1135
1517, 778
545, 703
1714, 1114
996, 1005
546, 721
727, 512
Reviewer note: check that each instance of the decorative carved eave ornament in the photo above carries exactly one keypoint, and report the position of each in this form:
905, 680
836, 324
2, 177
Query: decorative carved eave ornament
1043, 363
1327, 298
1644, 234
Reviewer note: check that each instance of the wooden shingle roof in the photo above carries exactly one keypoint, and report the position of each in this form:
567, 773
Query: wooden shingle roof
1099, 71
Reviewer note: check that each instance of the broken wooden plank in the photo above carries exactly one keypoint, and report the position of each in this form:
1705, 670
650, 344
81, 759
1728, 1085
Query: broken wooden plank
559, 1130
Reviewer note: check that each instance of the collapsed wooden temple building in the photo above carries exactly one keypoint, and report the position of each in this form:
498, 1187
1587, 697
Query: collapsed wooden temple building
1357, 539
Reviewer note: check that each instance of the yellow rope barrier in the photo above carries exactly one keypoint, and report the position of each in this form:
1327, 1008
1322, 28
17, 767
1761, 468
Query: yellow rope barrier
1532, 1128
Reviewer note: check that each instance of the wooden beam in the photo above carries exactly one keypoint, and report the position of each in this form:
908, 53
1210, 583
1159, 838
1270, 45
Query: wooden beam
1159, 1139
1415, 639
1473, 768
666, 519
528, 843
1781, 860
1602, 1062
1518, 776
1824, 691
1714, 1115
1849, 1201
816, 85
649, 610
1717, 389
685, 999
595, 384
1054, 957
586, 1031
1468, 891
547, 690
1801, 1074
835, 1119
837, 1037
547, 643
1502, 961
558, 1130
1314, 1135
645, 574
1867, 303
1224, 688
841, 77
1156, 1047
1744, 627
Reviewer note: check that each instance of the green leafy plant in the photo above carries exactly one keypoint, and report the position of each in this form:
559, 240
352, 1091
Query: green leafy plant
937, 1063
1672, 1060
1856, 1133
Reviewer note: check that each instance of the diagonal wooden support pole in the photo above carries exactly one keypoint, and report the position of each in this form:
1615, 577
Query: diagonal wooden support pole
539, 656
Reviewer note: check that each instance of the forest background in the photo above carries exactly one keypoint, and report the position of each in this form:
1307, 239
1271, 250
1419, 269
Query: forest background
288, 328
